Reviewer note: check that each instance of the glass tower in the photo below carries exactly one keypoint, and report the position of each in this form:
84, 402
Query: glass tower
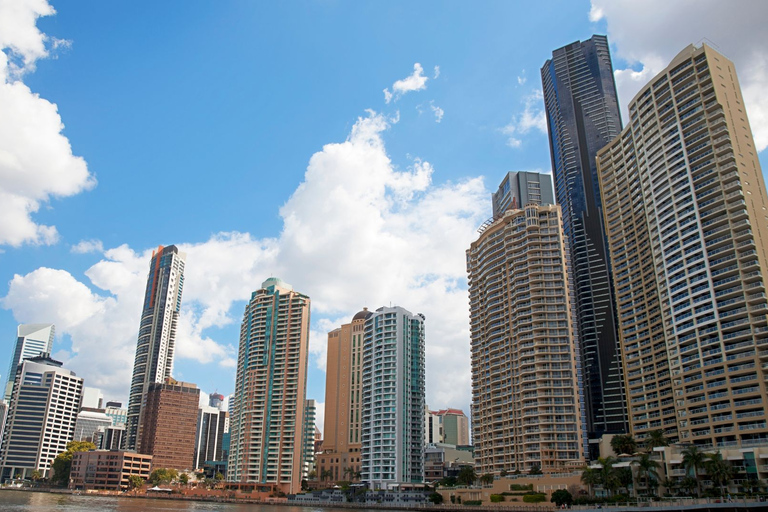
582, 117
31, 341
157, 333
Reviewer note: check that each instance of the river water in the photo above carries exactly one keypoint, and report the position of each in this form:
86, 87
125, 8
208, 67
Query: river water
20, 501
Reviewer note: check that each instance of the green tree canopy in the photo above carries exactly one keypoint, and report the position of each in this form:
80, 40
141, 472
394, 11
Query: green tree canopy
467, 476
162, 476
135, 482
655, 438
487, 479
62, 464
693, 461
720, 471
561, 497
623, 444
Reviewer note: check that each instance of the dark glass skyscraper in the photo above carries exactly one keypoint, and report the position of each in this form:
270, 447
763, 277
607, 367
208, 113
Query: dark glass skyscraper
157, 333
582, 117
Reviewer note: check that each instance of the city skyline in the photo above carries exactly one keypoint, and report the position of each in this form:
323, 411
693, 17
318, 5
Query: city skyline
91, 284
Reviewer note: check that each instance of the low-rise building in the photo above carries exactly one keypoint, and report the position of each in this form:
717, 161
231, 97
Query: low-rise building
107, 470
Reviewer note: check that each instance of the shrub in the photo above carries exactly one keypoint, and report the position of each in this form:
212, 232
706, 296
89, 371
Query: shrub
436, 498
520, 487
561, 497
473, 503
497, 498
534, 497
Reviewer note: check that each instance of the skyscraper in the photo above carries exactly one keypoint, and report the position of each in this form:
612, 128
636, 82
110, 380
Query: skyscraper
685, 210
393, 400
308, 458
526, 410
519, 188
157, 332
210, 434
582, 117
267, 409
41, 418
31, 341
343, 399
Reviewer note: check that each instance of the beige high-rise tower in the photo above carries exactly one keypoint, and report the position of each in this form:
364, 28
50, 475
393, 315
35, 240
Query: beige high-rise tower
686, 219
267, 417
343, 412
526, 408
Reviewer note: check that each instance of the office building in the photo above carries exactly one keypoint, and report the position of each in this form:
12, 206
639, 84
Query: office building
157, 333
109, 438
582, 117
526, 410
454, 426
520, 188
169, 424
685, 210
308, 459
88, 423
432, 432
209, 437
92, 398
115, 411
393, 400
41, 417
31, 341
267, 409
107, 470
343, 401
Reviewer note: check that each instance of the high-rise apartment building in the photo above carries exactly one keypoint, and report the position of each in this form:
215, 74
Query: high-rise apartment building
31, 341
393, 400
582, 117
267, 409
308, 459
157, 333
343, 400
41, 418
454, 426
526, 410
169, 424
685, 210
116, 411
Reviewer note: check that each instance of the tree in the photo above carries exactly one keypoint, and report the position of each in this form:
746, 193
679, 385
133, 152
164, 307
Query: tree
693, 461
218, 477
183, 479
62, 464
689, 484
312, 475
162, 476
623, 444
561, 497
655, 438
503, 473
608, 474
590, 477
325, 474
487, 479
135, 482
535, 470
720, 471
35, 476
467, 476
647, 470
436, 498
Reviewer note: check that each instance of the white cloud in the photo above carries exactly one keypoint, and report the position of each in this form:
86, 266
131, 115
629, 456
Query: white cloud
358, 231
320, 415
439, 112
415, 82
531, 118
521, 79
437, 72
36, 160
87, 246
649, 34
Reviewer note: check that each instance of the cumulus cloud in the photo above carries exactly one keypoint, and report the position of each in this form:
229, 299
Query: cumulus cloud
358, 231
87, 246
521, 79
437, 72
439, 112
415, 82
36, 159
531, 118
647, 35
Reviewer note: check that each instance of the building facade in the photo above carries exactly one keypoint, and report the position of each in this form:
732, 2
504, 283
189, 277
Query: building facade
432, 431
526, 409
157, 333
88, 423
107, 470
343, 401
41, 417
454, 426
31, 341
209, 439
685, 210
116, 411
308, 458
109, 438
518, 189
267, 409
582, 117
169, 424
393, 399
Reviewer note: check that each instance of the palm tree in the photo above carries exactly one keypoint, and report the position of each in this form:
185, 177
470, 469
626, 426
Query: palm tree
608, 474
693, 461
487, 479
655, 438
325, 474
623, 444
647, 469
720, 471
590, 477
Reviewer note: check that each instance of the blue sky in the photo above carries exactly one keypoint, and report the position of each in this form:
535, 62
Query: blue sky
257, 137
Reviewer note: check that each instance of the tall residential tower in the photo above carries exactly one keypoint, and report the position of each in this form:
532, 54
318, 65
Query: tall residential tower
157, 333
267, 410
582, 117
31, 341
686, 215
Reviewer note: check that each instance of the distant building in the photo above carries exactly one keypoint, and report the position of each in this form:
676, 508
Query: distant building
115, 411
454, 426
31, 341
41, 418
443, 460
216, 400
157, 333
267, 409
308, 459
209, 438
432, 432
519, 189
393, 398
107, 470
170, 422
92, 398
88, 423
110, 437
